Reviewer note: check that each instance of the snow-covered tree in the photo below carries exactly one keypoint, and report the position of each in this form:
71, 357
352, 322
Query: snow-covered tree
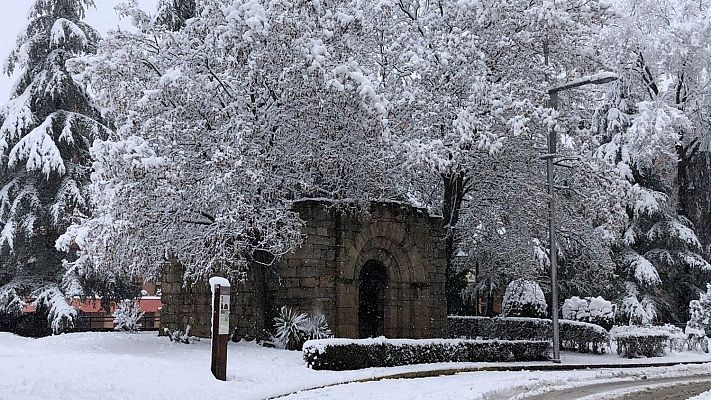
659, 254
44, 140
227, 111
221, 125
650, 130
472, 117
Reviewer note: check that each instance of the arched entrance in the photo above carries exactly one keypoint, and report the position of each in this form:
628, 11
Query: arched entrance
371, 299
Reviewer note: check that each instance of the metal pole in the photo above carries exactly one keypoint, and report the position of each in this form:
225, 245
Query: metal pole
550, 163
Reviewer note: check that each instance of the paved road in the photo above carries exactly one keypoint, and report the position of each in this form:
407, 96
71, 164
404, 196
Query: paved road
679, 388
676, 392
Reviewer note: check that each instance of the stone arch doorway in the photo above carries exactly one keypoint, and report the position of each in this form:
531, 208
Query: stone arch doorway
372, 298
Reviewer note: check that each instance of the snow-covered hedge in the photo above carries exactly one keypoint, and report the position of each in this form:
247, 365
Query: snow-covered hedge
347, 354
636, 341
574, 335
594, 310
524, 298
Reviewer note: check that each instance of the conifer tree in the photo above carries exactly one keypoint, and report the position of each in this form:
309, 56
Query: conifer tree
174, 13
659, 256
49, 125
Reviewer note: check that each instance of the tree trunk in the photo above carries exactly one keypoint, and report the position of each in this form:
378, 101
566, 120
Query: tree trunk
453, 196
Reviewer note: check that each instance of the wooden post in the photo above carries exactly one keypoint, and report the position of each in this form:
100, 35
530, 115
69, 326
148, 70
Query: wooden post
220, 329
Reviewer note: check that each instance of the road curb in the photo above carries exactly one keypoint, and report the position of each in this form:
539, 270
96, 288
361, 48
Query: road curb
503, 368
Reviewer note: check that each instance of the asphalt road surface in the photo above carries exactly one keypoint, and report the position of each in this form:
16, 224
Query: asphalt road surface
679, 388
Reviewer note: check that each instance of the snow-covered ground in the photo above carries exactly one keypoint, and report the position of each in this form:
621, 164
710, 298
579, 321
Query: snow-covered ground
702, 396
118, 366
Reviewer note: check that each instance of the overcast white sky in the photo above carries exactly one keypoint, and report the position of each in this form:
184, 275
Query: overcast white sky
13, 19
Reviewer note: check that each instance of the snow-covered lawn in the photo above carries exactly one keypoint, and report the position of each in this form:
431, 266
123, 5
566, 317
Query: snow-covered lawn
90, 366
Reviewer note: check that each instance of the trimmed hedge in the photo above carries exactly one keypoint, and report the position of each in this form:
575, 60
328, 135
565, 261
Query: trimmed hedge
576, 336
635, 341
347, 354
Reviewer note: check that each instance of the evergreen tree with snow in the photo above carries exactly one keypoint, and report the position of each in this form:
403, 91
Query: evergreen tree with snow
49, 125
659, 256
652, 128
173, 13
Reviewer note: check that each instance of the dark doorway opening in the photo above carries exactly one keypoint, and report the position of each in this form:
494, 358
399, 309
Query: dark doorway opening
371, 300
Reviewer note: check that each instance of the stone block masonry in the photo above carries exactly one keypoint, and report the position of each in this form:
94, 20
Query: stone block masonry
327, 273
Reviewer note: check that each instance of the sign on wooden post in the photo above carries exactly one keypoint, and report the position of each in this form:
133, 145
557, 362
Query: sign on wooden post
220, 326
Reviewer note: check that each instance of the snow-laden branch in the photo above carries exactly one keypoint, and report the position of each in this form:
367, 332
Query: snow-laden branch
596, 79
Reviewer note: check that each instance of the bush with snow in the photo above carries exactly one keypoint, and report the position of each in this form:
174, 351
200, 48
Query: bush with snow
318, 327
524, 298
347, 354
594, 310
637, 341
678, 340
293, 328
178, 336
700, 312
696, 339
127, 315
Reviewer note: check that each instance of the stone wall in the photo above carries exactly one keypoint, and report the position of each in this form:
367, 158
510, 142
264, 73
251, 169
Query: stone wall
190, 304
323, 274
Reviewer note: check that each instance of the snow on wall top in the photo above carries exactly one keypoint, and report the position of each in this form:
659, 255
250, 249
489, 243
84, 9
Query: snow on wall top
326, 200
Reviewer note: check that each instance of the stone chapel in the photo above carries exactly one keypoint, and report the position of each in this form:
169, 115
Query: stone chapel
372, 273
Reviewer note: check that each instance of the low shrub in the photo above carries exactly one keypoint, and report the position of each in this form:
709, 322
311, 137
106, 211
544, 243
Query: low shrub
677, 337
26, 324
700, 312
635, 341
696, 339
524, 298
127, 315
347, 354
293, 328
594, 310
574, 335
178, 336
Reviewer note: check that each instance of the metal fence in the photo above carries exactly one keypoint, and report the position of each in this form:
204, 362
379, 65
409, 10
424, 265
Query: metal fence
88, 322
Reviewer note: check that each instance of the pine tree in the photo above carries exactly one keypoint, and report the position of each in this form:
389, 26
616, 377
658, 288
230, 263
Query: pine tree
659, 256
174, 13
45, 137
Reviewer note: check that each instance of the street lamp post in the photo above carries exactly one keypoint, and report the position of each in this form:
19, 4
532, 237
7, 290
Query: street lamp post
598, 79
